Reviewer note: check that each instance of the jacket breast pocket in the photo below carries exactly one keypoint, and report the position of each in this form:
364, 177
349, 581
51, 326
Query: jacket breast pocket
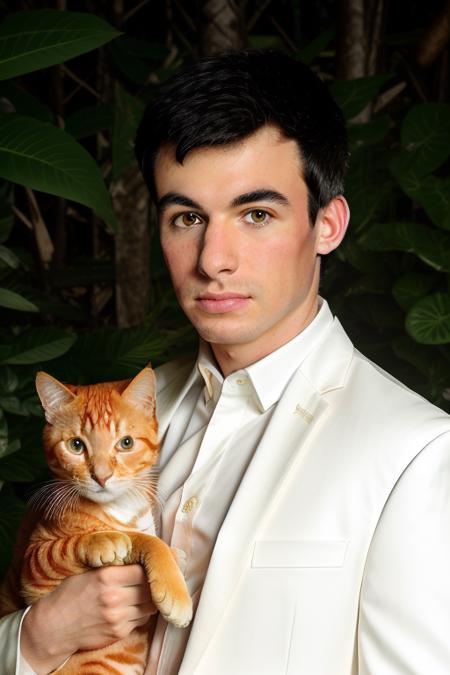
300, 553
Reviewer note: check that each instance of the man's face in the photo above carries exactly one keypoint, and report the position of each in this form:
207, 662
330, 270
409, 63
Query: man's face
236, 237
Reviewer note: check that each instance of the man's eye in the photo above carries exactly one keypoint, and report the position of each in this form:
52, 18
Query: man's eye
187, 219
257, 217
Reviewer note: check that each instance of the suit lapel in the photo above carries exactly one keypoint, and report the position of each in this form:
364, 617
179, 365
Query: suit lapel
297, 414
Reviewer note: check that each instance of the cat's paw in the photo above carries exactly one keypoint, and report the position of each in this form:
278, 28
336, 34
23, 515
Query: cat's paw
105, 548
173, 601
169, 591
168, 588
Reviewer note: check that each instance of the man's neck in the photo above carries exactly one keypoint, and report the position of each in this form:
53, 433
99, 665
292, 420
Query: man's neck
231, 358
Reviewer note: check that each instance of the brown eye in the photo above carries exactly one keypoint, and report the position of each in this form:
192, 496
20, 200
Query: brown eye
77, 446
187, 219
257, 216
125, 443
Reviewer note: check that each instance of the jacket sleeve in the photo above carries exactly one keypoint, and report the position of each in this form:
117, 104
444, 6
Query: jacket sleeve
9, 644
404, 622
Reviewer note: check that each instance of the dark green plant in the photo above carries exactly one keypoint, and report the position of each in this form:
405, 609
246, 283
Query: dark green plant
390, 279
41, 322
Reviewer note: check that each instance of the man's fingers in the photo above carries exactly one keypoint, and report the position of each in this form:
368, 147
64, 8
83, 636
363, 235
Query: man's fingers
121, 575
123, 587
133, 596
86, 611
140, 614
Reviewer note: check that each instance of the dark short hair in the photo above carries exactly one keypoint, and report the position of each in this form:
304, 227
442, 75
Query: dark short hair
225, 98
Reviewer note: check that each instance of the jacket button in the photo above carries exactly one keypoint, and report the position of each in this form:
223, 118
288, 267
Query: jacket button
189, 504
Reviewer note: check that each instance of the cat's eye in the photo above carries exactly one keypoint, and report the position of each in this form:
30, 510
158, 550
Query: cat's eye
77, 446
125, 443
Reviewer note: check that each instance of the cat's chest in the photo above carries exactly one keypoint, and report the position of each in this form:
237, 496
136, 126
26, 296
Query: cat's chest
129, 518
146, 523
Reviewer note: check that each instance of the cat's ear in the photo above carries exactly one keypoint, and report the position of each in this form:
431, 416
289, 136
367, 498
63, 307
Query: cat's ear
141, 391
53, 394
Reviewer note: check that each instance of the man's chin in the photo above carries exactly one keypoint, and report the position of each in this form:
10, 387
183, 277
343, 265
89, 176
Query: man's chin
219, 336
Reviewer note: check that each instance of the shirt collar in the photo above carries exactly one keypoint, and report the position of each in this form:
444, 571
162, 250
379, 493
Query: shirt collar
209, 371
270, 375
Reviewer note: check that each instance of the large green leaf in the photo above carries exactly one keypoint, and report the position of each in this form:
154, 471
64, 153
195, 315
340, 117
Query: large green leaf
35, 39
432, 193
9, 381
353, 95
108, 354
429, 244
8, 258
54, 306
368, 186
19, 467
309, 52
425, 139
428, 321
24, 103
381, 312
46, 158
411, 287
428, 360
3, 433
13, 300
7, 446
23, 407
91, 120
371, 133
38, 344
354, 255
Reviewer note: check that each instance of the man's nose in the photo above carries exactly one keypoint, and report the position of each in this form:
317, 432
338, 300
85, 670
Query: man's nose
219, 249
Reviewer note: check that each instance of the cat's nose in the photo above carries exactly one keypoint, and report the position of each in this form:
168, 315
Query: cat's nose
101, 479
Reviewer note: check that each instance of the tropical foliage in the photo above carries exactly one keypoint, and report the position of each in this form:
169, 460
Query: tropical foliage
390, 282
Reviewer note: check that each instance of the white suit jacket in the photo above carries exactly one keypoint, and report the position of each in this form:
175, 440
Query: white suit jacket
334, 558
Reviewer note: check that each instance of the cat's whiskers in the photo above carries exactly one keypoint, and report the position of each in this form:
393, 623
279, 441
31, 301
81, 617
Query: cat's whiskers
46, 492
84, 487
59, 504
135, 492
54, 498
72, 499
146, 484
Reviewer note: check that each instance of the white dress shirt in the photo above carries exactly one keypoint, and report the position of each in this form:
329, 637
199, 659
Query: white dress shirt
204, 455
208, 446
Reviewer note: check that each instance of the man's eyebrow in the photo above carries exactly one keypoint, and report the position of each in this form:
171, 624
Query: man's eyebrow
262, 195
175, 198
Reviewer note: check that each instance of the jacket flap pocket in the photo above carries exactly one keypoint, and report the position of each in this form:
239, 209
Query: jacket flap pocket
300, 553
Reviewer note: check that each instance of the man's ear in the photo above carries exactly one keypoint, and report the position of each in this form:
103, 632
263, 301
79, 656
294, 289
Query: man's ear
331, 223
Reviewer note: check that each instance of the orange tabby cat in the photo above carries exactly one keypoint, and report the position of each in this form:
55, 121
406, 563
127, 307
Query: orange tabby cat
101, 444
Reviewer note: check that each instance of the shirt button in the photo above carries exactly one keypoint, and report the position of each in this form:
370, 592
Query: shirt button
241, 380
189, 504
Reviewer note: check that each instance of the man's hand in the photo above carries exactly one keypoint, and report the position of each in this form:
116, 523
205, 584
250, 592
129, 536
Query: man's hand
86, 611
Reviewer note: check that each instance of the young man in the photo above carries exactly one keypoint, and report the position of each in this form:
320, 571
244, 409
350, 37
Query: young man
309, 490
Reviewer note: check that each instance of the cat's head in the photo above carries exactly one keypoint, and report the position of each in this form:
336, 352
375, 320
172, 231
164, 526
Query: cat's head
101, 437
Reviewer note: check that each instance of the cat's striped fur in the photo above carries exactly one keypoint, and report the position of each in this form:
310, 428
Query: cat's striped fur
101, 444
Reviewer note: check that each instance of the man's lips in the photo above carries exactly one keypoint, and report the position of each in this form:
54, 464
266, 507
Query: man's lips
219, 303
